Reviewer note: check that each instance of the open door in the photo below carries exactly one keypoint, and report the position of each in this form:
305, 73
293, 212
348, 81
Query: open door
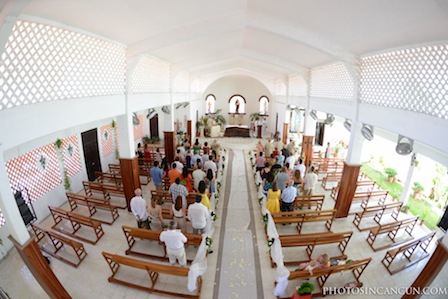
91, 153
154, 126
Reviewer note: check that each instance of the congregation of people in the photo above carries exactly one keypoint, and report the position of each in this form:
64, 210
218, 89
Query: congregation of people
284, 174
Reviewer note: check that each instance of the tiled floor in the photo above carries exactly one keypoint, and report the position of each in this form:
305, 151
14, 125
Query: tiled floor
89, 280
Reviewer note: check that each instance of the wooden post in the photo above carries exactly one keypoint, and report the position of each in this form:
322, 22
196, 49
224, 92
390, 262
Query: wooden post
259, 128
131, 178
432, 268
189, 130
35, 261
347, 189
170, 146
307, 149
285, 133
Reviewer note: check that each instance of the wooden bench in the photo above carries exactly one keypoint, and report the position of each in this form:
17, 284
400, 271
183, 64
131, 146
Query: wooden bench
309, 200
108, 177
131, 233
153, 270
76, 222
114, 168
301, 217
106, 190
168, 198
391, 229
58, 242
331, 177
377, 212
357, 268
93, 203
365, 197
312, 240
362, 184
408, 250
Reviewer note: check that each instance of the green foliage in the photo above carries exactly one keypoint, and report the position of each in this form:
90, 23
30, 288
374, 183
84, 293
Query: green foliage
418, 187
58, 143
306, 288
67, 184
112, 124
146, 139
390, 172
394, 188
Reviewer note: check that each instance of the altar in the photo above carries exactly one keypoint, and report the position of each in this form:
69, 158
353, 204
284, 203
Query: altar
237, 131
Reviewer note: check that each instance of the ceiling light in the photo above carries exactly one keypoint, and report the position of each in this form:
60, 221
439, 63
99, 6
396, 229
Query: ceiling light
348, 124
186, 104
367, 131
405, 145
313, 114
166, 109
329, 119
151, 113
135, 120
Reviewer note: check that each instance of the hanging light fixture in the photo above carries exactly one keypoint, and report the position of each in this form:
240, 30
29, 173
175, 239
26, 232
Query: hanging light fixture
135, 120
166, 109
367, 131
179, 105
348, 124
151, 113
186, 104
405, 145
330, 119
313, 114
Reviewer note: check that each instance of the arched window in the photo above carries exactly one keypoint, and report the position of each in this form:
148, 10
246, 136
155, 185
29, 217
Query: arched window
210, 104
237, 104
264, 105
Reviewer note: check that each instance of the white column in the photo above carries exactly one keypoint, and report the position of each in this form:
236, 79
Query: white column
125, 136
355, 145
9, 208
409, 180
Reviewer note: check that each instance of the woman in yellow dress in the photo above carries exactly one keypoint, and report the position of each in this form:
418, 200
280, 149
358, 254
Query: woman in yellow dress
273, 204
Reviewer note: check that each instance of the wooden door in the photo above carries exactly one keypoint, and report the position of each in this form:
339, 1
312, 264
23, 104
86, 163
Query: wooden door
154, 126
91, 153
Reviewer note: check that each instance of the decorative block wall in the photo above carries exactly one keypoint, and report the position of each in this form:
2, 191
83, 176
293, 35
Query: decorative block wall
332, 81
72, 159
150, 75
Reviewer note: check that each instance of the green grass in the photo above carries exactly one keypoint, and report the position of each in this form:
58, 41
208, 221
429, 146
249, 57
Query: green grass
417, 207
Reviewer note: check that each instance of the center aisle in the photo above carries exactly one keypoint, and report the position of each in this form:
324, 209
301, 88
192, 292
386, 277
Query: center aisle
239, 274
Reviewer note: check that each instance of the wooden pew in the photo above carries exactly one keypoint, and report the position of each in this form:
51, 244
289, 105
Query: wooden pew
76, 222
407, 249
166, 183
360, 186
357, 268
131, 233
312, 240
391, 229
166, 197
108, 178
377, 212
93, 203
106, 190
331, 177
310, 200
58, 242
365, 197
153, 270
300, 217
114, 168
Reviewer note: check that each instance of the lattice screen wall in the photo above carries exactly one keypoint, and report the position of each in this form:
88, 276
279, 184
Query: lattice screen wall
45, 63
72, 159
38, 171
332, 81
150, 75
297, 86
107, 145
2, 219
413, 79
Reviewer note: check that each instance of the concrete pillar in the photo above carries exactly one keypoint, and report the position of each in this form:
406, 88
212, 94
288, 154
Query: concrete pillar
409, 180
355, 144
125, 136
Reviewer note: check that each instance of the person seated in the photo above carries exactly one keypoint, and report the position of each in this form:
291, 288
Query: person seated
322, 261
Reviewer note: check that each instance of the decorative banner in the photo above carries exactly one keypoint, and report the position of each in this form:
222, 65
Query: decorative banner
107, 146
138, 130
37, 171
72, 159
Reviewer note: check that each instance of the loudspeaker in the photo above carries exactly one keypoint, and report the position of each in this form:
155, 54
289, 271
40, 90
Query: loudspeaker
25, 212
443, 223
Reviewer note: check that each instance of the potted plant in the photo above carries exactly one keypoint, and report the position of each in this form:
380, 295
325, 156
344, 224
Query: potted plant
304, 291
146, 139
391, 174
418, 189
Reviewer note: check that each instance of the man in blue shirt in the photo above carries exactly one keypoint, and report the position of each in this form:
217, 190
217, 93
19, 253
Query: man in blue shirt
157, 175
288, 196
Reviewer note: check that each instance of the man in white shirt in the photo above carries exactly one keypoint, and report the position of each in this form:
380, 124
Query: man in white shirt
309, 182
301, 167
198, 175
291, 160
139, 209
174, 241
210, 165
196, 156
179, 165
198, 215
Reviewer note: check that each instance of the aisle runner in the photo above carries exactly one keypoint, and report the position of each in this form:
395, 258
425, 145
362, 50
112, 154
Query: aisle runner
236, 263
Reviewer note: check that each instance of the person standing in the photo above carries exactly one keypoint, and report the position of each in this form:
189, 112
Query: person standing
301, 167
157, 176
173, 174
174, 241
198, 175
273, 203
198, 215
177, 189
139, 209
288, 197
260, 161
282, 179
309, 181
328, 151
210, 165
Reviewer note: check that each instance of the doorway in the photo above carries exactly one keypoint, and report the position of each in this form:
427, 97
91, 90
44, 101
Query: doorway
91, 153
320, 131
154, 126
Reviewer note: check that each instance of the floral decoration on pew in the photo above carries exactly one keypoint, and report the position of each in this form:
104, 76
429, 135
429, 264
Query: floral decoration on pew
271, 241
213, 216
265, 219
260, 200
208, 243
217, 198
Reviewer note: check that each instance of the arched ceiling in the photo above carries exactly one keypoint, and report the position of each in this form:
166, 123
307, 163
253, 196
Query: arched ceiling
271, 38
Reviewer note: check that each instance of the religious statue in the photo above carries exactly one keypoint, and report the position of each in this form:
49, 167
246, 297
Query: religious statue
237, 106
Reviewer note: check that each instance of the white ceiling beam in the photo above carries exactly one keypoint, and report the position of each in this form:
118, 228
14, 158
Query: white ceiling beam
301, 35
210, 27
279, 62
